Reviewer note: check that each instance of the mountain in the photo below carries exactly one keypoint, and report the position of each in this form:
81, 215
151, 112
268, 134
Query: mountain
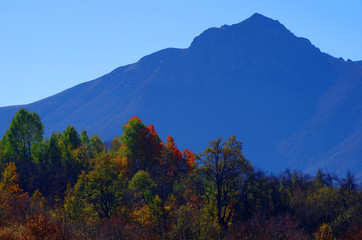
292, 105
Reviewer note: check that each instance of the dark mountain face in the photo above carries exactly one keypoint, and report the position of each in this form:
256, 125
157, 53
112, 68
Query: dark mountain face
293, 105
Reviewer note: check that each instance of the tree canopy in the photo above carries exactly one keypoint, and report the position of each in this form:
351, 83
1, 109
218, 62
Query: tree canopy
71, 186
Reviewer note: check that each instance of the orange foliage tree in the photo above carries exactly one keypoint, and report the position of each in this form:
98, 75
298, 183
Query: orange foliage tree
172, 160
12, 197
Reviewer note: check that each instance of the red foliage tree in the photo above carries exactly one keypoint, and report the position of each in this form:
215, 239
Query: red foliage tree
141, 145
189, 160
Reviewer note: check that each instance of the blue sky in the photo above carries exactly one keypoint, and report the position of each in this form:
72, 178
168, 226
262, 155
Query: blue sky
49, 46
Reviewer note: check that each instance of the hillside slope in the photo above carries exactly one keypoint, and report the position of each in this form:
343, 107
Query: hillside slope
291, 104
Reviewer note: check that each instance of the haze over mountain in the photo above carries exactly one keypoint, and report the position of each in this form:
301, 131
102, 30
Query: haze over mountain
291, 104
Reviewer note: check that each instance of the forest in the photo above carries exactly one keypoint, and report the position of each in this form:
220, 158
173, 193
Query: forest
73, 186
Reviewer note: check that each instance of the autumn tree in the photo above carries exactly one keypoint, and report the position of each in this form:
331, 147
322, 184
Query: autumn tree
142, 147
145, 189
167, 173
189, 160
324, 233
103, 187
172, 159
226, 172
11, 195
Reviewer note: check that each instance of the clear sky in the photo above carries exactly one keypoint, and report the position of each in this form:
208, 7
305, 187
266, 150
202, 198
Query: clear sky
49, 46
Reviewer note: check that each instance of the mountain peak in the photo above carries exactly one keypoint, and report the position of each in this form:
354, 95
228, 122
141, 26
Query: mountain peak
258, 16
262, 23
255, 29
256, 19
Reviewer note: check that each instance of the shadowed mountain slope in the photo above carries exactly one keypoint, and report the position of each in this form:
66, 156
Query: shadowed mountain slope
291, 104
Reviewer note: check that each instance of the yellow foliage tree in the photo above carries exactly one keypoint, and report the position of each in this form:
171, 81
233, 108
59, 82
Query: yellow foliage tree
324, 233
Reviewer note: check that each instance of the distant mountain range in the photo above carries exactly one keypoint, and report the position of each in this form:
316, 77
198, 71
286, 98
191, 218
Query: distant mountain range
291, 104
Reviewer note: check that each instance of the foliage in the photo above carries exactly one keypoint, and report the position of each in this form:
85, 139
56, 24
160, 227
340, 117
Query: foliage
144, 188
96, 144
20, 141
141, 145
12, 197
324, 233
41, 227
194, 223
70, 186
102, 188
70, 138
25, 131
226, 173
84, 138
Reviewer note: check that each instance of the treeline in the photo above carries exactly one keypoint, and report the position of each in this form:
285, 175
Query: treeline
72, 186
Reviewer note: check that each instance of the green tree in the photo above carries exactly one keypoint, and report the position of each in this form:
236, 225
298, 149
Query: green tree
115, 145
54, 151
97, 145
71, 167
70, 137
21, 139
84, 138
2, 154
226, 172
55, 171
